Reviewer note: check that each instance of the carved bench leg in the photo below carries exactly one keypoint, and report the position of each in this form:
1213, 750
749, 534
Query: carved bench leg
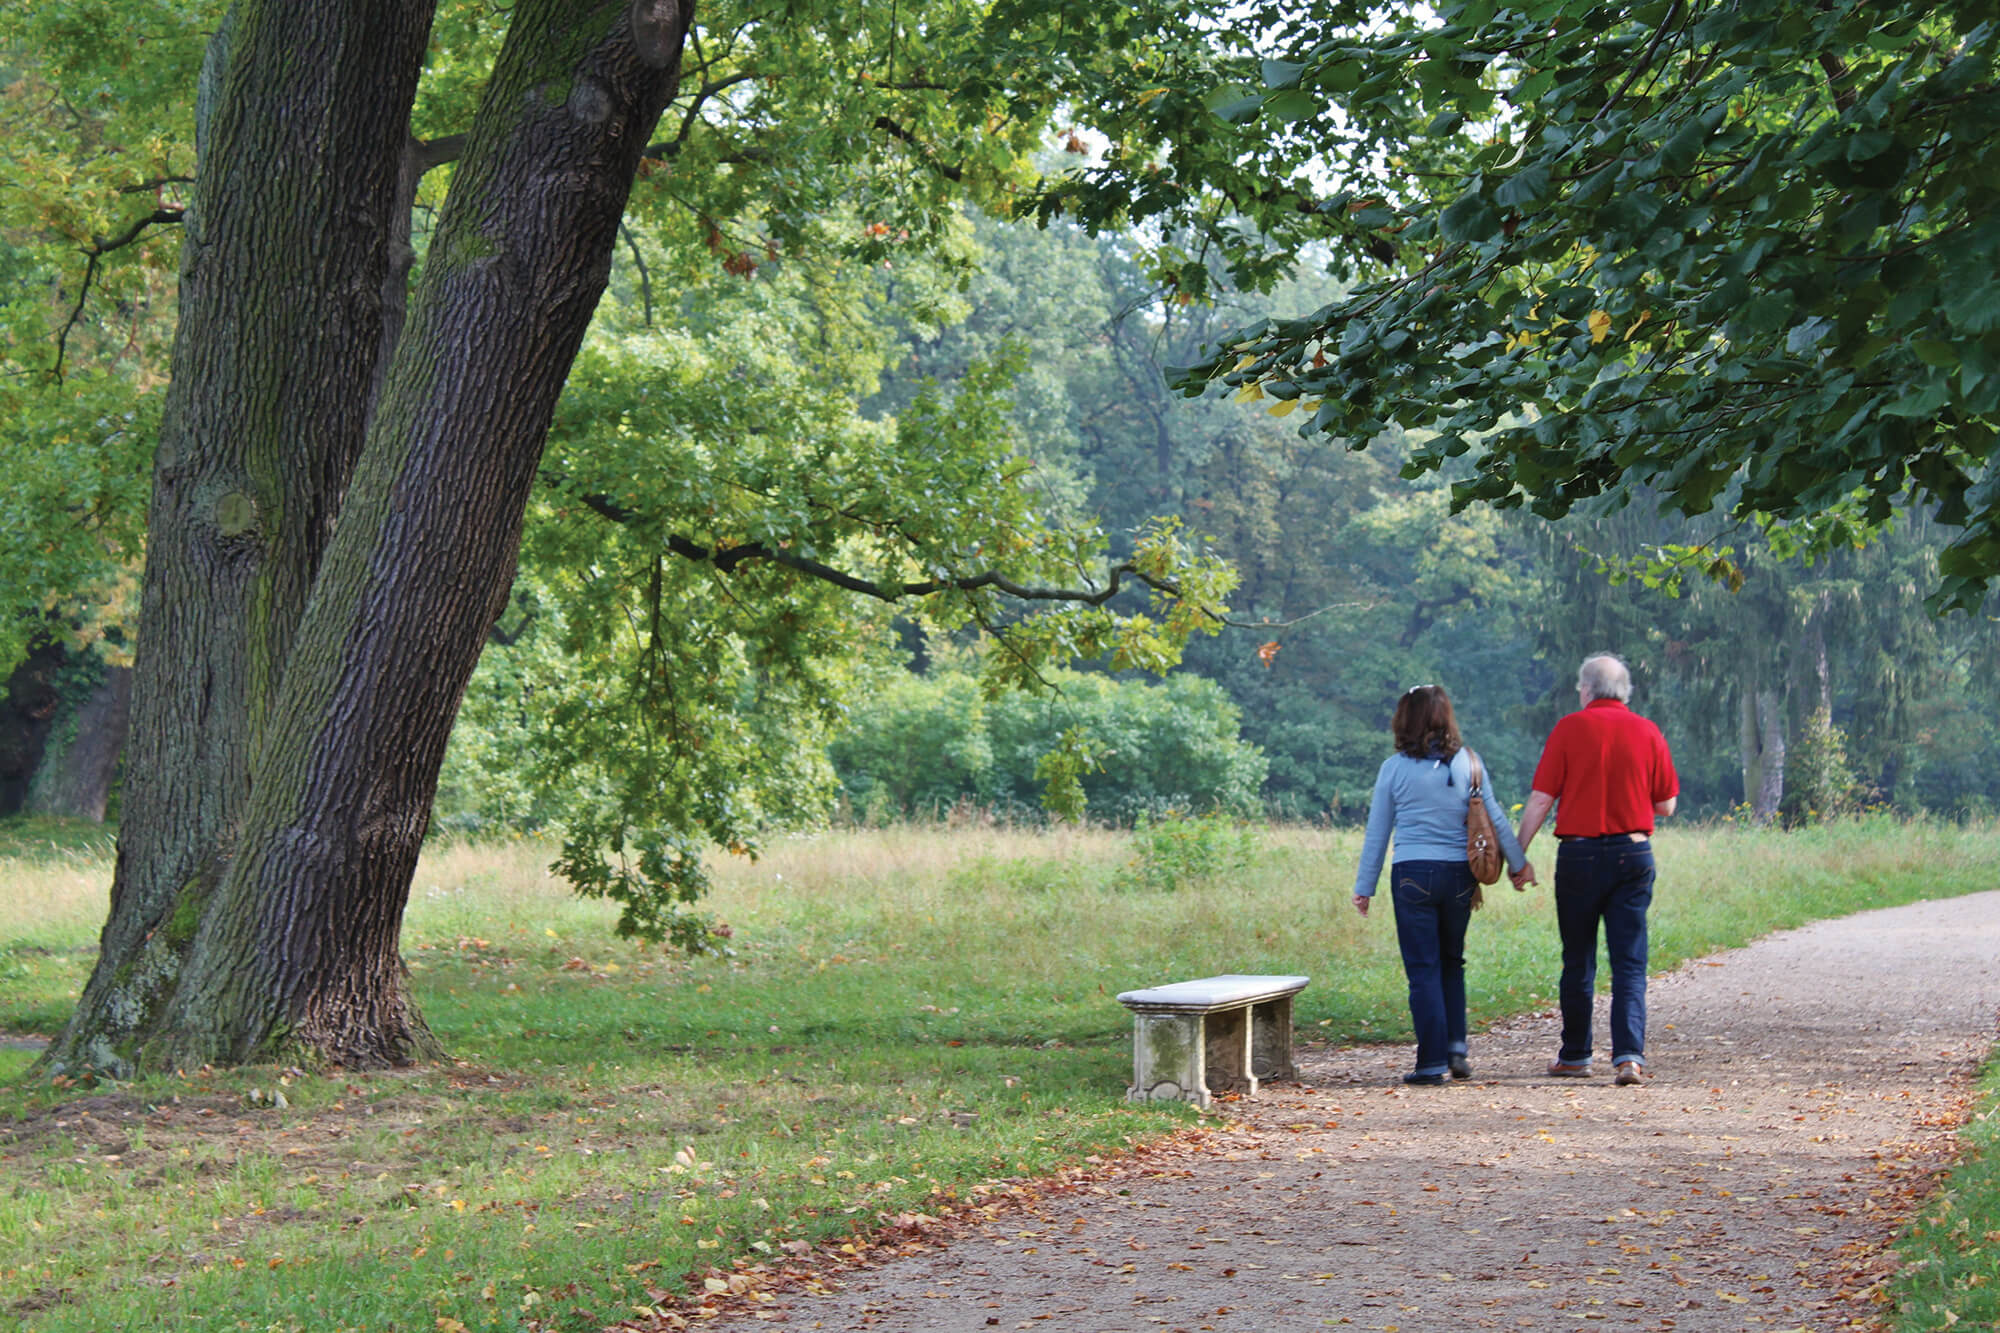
1271, 1040
1228, 1042
1168, 1059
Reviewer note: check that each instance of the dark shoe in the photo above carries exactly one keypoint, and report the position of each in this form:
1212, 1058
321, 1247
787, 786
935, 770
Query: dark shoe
1629, 1072
1461, 1067
1424, 1080
1567, 1069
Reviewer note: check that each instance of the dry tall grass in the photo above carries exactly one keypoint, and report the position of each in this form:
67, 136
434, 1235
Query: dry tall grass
55, 901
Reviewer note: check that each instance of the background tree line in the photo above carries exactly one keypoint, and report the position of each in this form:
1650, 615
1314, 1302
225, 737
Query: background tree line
1791, 686
1794, 684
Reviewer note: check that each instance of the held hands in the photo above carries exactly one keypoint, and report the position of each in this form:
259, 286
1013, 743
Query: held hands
1361, 904
1523, 877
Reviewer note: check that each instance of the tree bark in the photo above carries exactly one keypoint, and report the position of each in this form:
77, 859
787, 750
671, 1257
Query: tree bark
273, 926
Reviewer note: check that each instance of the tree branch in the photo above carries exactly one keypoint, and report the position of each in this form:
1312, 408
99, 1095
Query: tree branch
667, 148
896, 131
639, 262
726, 559
158, 217
97, 249
431, 153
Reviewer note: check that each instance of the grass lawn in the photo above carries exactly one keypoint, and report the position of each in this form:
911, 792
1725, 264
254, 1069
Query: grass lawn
1951, 1255
906, 1017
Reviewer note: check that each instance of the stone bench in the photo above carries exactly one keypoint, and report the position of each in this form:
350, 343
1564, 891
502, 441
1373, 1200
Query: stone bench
1193, 1039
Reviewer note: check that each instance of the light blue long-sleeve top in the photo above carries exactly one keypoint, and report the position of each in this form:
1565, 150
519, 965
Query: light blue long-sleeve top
1423, 802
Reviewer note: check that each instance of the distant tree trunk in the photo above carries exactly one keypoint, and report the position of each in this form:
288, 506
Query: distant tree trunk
1761, 736
80, 762
287, 740
29, 702
1815, 654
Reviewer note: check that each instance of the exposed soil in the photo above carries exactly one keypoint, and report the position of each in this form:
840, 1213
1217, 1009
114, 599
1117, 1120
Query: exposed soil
1804, 1099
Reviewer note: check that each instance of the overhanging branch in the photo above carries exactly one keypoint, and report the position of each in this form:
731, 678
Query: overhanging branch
726, 559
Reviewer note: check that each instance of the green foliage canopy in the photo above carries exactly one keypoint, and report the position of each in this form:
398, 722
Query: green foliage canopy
1743, 254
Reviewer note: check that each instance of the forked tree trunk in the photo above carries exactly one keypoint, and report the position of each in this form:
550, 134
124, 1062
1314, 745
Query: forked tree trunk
305, 111
258, 908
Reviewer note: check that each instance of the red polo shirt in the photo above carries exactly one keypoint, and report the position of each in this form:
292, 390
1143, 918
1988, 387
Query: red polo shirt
1606, 766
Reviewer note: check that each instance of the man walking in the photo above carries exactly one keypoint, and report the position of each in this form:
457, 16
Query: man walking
1607, 773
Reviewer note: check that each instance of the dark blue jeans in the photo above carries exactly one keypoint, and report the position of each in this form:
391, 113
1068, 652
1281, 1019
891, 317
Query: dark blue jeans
1608, 880
1433, 906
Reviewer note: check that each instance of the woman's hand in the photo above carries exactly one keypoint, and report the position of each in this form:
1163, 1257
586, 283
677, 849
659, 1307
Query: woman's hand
1361, 903
1523, 877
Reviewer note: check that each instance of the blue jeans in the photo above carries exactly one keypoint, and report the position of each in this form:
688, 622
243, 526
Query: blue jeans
1608, 880
1433, 907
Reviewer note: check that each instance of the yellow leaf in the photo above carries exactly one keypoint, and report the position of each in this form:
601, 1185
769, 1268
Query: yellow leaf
1250, 392
1284, 408
1600, 326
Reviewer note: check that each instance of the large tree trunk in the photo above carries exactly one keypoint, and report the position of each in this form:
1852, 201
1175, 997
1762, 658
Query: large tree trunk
291, 712
305, 114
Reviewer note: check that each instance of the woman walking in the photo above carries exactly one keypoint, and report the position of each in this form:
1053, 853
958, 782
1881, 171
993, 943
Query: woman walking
1421, 794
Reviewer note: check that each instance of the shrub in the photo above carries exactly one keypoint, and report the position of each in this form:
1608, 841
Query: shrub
1182, 850
930, 741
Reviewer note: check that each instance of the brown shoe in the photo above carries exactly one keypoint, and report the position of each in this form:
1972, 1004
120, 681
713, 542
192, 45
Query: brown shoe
1629, 1072
1569, 1069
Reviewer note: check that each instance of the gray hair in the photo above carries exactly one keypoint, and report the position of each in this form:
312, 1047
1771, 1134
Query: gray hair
1604, 676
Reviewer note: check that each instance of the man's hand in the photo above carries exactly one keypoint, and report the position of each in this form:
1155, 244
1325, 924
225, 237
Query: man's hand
1361, 904
1523, 877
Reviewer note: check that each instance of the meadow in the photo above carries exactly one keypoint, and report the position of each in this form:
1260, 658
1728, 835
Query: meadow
904, 1020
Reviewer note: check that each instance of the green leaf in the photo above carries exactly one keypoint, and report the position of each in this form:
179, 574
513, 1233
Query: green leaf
1235, 102
1522, 188
1469, 218
1292, 105
1934, 353
1282, 73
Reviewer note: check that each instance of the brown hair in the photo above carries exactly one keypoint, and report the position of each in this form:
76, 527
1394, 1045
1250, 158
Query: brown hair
1424, 724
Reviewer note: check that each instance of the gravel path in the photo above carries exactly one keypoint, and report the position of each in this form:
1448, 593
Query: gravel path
1805, 1092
